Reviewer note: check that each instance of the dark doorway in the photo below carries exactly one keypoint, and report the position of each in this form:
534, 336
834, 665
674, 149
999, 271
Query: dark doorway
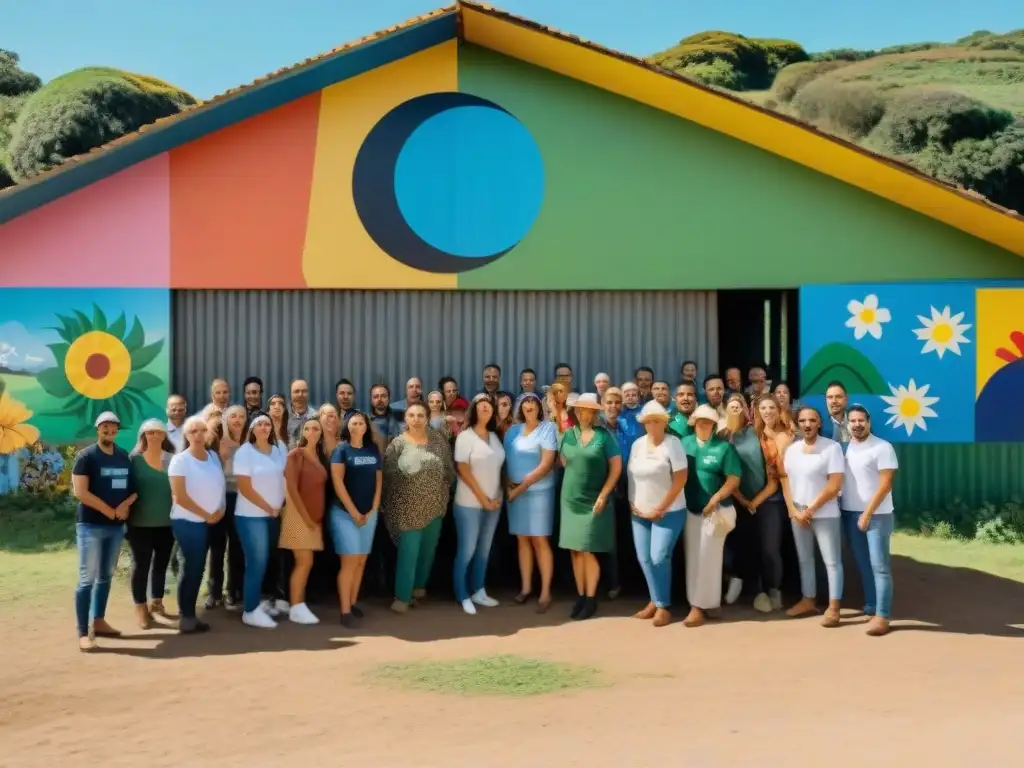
759, 327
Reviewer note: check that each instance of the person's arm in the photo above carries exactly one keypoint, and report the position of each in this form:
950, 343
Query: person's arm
80, 487
613, 455
338, 469
885, 478
836, 469
770, 487
679, 467
378, 489
547, 461
243, 479
887, 466
292, 468
732, 467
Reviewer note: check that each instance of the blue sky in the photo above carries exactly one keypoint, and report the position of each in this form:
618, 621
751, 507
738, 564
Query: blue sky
209, 46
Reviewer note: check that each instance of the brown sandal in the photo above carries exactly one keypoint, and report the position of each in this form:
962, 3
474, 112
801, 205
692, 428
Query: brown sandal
647, 612
662, 617
543, 605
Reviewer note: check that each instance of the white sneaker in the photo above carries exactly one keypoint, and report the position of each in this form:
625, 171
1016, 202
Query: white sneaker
281, 606
762, 603
258, 619
482, 598
468, 607
735, 590
267, 606
776, 597
300, 614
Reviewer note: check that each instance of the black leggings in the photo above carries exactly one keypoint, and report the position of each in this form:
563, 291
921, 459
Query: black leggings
151, 552
223, 538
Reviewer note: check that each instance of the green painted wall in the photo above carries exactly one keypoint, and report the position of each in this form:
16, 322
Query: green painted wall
637, 198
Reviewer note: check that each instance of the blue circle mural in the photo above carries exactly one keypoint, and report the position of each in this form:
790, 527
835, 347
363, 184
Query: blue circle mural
448, 182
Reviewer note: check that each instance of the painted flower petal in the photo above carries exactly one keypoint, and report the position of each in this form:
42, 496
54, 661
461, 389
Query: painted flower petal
855, 307
875, 330
883, 316
871, 301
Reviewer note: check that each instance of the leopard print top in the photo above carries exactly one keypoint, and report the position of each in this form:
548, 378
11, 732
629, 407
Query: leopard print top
417, 482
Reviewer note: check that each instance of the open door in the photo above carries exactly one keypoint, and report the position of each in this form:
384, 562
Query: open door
759, 327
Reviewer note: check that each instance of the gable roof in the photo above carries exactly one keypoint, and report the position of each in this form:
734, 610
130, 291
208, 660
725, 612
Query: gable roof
565, 54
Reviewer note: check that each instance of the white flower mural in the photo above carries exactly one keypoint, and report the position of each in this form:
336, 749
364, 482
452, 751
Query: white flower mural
867, 317
909, 406
942, 332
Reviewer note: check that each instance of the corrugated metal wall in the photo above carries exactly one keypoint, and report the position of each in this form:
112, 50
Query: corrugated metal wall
931, 476
368, 336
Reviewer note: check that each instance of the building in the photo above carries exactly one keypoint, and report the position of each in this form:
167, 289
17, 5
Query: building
470, 186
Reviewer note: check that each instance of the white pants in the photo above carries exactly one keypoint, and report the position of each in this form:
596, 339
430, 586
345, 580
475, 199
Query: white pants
704, 556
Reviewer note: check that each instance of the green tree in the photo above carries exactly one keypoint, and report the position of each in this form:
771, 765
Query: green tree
992, 166
918, 120
85, 109
15, 87
729, 60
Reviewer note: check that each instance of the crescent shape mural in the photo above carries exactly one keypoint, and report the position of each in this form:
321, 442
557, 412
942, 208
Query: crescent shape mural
448, 182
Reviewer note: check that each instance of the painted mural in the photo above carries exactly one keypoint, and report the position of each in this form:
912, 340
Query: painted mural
456, 167
67, 355
932, 362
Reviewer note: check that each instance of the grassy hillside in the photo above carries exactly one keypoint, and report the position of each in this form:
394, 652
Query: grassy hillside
953, 110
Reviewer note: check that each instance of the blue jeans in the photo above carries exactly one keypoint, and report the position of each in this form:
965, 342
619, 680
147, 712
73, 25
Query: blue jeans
258, 536
871, 553
475, 529
828, 533
654, 541
98, 548
193, 540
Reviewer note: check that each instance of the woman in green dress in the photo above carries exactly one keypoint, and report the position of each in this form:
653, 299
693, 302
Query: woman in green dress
593, 463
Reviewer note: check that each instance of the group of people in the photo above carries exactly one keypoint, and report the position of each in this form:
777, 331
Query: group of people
722, 466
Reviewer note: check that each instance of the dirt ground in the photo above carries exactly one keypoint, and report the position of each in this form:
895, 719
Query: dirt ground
947, 688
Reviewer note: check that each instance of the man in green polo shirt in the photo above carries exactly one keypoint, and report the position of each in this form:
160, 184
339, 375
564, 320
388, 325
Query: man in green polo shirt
686, 403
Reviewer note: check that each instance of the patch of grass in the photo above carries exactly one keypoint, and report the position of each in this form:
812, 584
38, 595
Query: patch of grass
502, 675
1004, 560
37, 580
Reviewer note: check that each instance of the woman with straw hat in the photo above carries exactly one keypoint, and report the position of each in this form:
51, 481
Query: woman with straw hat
715, 472
657, 471
593, 463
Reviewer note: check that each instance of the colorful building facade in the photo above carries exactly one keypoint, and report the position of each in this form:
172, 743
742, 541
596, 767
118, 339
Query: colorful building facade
475, 174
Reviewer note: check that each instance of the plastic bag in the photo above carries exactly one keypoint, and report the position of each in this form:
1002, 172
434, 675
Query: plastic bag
720, 522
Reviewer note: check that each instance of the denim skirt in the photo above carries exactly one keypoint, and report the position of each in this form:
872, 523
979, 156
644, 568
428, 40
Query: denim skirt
533, 513
349, 538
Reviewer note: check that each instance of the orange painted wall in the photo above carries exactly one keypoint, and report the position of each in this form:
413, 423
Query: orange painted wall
239, 201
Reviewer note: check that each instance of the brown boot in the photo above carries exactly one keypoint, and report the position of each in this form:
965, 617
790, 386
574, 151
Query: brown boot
156, 608
647, 613
100, 628
805, 607
142, 617
662, 617
694, 619
878, 627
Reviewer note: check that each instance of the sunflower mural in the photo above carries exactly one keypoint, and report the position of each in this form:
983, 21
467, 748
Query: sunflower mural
100, 366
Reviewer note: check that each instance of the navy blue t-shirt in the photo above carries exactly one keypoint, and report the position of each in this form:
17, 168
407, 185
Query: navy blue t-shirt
361, 468
110, 478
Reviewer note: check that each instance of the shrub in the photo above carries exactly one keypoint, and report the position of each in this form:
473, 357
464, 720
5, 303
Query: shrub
993, 166
753, 61
919, 119
843, 54
791, 79
15, 87
958, 520
852, 109
717, 73
82, 110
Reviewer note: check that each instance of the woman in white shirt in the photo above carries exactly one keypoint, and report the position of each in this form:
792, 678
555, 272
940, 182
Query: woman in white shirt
657, 476
197, 489
814, 477
868, 514
479, 456
259, 475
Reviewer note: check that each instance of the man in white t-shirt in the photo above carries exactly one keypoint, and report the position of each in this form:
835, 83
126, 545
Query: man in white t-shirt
868, 514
